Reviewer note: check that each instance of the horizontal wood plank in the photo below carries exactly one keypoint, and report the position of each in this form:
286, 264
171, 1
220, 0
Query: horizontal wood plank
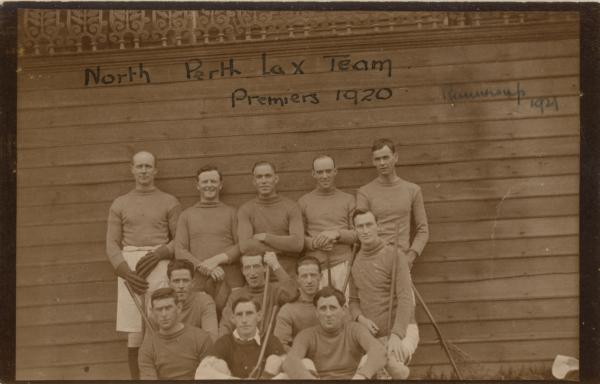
74, 354
66, 314
107, 371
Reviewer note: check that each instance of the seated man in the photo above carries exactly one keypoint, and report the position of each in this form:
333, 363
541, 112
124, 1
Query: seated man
278, 293
235, 355
174, 350
333, 349
372, 275
197, 308
300, 314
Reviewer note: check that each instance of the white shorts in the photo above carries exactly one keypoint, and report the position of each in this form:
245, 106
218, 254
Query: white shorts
128, 316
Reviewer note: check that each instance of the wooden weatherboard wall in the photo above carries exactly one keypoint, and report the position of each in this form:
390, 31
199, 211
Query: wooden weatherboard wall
487, 123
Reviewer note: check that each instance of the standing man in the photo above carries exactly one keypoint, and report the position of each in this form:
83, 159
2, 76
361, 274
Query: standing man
333, 349
327, 214
197, 308
373, 276
394, 201
207, 237
254, 270
141, 226
270, 222
234, 355
300, 314
174, 351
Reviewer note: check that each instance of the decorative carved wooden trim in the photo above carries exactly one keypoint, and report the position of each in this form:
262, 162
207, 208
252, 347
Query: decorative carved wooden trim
48, 32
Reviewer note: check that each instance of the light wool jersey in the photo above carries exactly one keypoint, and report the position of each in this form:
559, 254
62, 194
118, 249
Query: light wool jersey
175, 356
370, 289
337, 354
328, 211
205, 230
141, 218
280, 218
292, 318
396, 202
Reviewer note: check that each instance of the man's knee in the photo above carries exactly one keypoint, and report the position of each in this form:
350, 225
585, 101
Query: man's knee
397, 369
273, 364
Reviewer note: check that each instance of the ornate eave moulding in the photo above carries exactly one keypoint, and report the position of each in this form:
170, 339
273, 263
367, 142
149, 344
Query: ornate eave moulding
44, 32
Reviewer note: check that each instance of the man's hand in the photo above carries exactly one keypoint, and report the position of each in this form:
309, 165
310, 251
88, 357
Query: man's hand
138, 284
260, 237
358, 376
217, 274
149, 261
396, 348
207, 266
270, 259
411, 255
371, 326
326, 239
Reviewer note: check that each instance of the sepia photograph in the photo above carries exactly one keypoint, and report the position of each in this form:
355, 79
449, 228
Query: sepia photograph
221, 193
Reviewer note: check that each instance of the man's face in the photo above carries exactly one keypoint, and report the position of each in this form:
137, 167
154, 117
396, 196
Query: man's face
246, 318
385, 161
308, 278
265, 180
181, 282
143, 169
209, 185
324, 173
253, 270
330, 313
366, 228
166, 313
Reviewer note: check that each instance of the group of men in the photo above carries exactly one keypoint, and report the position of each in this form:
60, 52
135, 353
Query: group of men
318, 288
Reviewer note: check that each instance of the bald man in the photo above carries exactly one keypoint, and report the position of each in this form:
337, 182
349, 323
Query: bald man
139, 243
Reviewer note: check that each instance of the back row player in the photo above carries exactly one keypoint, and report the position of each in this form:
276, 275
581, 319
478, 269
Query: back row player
141, 229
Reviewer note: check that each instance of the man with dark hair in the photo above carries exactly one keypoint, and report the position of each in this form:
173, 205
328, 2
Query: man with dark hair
327, 214
197, 308
207, 237
270, 222
372, 275
299, 314
395, 202
235, 355
333, 349
141, 226
254, 270
174, 351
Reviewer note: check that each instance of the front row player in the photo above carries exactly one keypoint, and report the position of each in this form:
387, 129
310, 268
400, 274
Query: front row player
174, 350
235, 355
335, 348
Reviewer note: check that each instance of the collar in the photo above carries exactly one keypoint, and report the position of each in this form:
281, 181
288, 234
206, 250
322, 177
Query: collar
255, 338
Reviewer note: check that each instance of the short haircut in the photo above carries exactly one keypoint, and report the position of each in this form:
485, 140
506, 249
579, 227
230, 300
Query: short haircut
176, 264
264, 162
244, 299
383, 142
148, 152
163, 293
323, 157
262, 260
329, 291
360, 212
207, 168
307, 260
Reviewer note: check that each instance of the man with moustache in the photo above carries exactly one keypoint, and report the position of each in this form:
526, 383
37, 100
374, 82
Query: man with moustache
174, 351
394, 201
254, 270
197, 308
234, 355
270, 222
327, 214
299, 314
141, 226
372, 275
207, 237
334, 348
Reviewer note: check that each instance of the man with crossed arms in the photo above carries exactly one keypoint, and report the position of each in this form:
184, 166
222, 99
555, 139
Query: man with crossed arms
141, 227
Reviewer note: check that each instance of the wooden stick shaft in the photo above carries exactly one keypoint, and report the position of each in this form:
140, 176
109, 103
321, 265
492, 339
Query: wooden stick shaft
438, 331
263, 348
139, 307
349, 270
266, 295
393, 280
